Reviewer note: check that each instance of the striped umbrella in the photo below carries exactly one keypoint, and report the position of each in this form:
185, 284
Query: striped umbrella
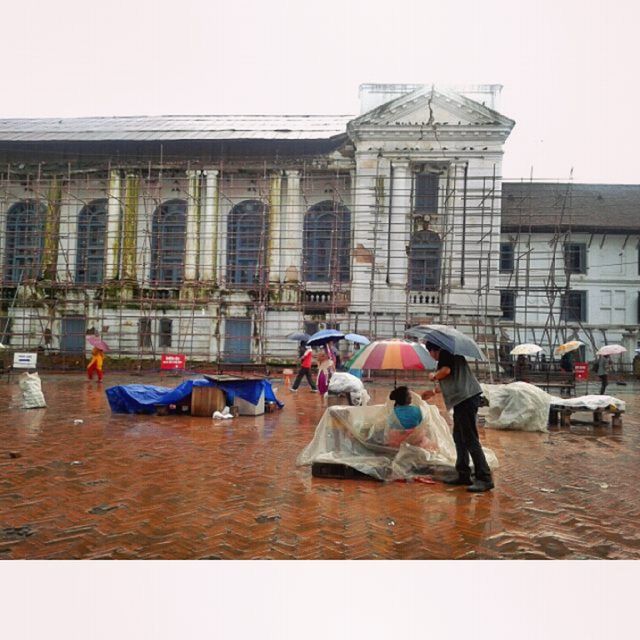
393, 354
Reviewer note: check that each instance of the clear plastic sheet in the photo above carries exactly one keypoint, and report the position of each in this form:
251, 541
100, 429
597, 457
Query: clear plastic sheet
590, 403
518, 405
359, 437
525, 407
342, 382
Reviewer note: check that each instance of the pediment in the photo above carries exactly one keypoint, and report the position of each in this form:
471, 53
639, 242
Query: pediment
429, 106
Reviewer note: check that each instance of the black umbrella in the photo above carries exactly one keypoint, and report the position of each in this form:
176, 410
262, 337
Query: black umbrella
449, 339
299, 337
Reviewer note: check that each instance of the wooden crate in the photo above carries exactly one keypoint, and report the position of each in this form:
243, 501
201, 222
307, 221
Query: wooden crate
206, 400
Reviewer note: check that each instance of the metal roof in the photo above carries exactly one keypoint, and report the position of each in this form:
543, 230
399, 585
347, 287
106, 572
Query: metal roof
546, 206
151, 128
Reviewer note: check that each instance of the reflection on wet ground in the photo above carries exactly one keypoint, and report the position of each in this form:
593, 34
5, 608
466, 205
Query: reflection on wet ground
125, 486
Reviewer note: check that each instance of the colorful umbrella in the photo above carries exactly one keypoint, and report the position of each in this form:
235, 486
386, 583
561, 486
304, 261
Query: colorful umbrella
94, 341
526, 349
572, 345
449, 339
611, 350
393, 354
324, 337
358, 339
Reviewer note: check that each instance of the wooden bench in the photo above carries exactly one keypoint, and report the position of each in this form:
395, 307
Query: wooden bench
563, 382
561, 415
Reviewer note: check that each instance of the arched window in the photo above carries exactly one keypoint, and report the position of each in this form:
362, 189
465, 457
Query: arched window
327, 243
92, 224
425, 254
24, 241
247, 243
167, 242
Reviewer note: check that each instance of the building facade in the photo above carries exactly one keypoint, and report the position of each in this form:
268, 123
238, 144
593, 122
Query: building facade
217, 236
570, 265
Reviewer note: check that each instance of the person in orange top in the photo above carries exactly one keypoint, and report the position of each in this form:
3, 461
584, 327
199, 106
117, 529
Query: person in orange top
95, 364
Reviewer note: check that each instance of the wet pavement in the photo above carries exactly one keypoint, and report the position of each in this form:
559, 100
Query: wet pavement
130, 486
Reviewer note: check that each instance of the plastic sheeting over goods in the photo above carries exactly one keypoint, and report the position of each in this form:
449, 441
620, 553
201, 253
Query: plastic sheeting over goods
363, 438
525, 407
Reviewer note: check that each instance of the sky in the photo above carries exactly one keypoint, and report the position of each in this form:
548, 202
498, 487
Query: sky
568, 67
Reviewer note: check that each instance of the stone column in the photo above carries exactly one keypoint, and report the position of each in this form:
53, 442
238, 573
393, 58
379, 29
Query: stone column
52, 230
400, 224
221, 242
629, 341
114, 208
69, 214
208, 230
130, 227
274, 228
292, 225
192, 226
365, 236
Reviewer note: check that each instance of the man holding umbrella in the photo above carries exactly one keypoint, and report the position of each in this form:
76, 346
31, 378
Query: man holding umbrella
461, 392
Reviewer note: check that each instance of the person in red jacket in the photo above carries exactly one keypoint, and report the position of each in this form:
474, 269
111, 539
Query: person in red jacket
306, 360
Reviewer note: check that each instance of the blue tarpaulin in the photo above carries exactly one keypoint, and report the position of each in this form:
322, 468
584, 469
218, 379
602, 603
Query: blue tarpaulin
143, 398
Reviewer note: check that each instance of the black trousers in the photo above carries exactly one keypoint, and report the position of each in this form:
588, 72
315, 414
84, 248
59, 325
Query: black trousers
604, 381
303, 371
465, 436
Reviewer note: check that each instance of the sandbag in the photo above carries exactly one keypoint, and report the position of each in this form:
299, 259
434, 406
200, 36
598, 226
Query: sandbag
31, 388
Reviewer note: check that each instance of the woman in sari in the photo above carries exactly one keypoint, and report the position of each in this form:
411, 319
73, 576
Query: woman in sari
326, 368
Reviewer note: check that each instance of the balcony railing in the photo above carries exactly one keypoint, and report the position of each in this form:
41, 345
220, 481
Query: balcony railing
424, 297
325, 299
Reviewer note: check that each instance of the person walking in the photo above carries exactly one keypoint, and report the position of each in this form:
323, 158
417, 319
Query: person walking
306, 360
326, 368
521, 368
95, 364
602, 371
566, 363
461, 391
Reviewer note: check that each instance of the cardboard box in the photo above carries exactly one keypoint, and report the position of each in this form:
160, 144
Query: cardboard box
247, 409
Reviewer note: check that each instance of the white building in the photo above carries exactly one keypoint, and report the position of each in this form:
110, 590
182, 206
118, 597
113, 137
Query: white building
216, 236
570, 264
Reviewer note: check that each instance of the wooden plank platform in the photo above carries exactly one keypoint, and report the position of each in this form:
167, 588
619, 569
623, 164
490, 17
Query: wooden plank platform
561, 415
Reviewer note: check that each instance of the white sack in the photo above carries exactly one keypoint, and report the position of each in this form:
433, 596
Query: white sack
31, 388
356, 437
342, 382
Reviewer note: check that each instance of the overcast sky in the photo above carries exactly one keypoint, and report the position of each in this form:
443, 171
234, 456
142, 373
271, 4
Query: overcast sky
569, 68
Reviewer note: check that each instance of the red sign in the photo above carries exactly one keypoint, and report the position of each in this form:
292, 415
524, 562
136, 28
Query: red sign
581, 370
172, 362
